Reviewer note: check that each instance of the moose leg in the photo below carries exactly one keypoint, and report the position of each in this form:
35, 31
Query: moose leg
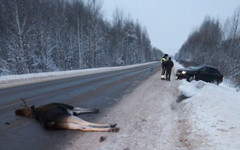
78, 110
75, 126
74, 119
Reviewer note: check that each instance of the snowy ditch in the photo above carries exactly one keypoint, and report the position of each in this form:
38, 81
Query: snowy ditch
209, 116
188, 90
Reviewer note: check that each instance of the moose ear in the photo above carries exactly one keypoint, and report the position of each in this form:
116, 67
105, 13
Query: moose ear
33, 107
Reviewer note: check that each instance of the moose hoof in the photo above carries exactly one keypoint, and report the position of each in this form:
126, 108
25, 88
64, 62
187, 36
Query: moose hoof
114, 130
95, 110
113, 125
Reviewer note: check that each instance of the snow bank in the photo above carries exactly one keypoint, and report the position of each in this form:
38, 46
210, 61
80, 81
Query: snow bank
213, 115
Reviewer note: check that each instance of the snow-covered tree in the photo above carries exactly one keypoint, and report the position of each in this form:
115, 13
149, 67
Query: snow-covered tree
50, 35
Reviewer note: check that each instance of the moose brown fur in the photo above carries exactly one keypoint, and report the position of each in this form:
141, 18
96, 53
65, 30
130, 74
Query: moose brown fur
63, 116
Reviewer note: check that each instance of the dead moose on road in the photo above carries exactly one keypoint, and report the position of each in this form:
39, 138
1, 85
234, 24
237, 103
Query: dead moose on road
63, 116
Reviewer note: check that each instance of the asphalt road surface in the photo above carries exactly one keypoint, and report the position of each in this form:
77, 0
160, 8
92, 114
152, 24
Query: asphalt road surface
100, 90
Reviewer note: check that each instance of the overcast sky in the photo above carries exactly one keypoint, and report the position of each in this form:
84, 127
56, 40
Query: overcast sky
169, 22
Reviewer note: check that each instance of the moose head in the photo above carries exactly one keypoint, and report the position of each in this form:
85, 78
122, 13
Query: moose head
27, 111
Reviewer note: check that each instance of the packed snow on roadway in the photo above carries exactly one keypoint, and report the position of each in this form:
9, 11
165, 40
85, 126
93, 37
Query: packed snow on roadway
209, 114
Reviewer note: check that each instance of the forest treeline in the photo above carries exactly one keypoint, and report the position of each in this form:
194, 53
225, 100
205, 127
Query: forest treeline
215, 44
53, 35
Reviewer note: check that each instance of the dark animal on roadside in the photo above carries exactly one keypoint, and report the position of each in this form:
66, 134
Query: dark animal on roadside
63, 116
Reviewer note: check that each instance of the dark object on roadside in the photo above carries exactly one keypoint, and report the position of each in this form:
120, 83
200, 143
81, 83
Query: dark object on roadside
204, 73
181, 98
7, 123
102, 138
151, 69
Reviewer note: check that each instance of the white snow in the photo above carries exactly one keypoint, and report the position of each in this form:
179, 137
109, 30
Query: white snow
213, 115
208, 119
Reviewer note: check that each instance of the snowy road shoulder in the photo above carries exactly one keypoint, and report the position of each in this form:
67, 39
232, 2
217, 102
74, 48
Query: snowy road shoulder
210, 116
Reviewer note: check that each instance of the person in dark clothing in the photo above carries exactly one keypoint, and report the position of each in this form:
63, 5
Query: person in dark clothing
169, 65
163, 61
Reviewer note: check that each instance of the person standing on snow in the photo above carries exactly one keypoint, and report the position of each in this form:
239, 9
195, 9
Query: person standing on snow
169, 65
163, 61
